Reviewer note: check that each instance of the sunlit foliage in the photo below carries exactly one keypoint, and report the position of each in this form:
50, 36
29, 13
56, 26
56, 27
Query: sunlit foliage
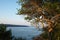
46, 12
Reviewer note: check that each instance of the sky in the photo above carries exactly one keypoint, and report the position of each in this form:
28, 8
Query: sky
8, 13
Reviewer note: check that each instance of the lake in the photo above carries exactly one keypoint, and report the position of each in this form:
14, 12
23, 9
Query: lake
24, 32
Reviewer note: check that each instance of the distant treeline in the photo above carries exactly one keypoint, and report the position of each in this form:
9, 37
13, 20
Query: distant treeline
12, 25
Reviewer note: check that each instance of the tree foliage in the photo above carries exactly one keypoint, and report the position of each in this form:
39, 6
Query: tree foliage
5, 35
46, 12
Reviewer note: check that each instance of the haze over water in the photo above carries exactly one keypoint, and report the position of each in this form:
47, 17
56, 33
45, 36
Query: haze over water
8, 13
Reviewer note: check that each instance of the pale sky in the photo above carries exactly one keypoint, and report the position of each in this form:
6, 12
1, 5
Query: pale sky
8, 13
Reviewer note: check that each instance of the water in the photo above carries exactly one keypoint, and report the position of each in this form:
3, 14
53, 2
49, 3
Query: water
24, 32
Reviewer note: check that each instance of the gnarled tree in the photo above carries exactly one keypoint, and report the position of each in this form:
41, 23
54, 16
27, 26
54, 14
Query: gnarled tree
46, 12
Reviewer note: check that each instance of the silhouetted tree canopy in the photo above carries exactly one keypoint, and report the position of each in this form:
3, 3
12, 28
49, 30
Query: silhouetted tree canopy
4, 34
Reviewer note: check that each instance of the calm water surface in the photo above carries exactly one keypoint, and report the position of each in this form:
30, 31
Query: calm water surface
25, 32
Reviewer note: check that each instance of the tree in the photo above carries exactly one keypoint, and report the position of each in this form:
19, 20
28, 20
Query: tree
46, 12
5, 35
